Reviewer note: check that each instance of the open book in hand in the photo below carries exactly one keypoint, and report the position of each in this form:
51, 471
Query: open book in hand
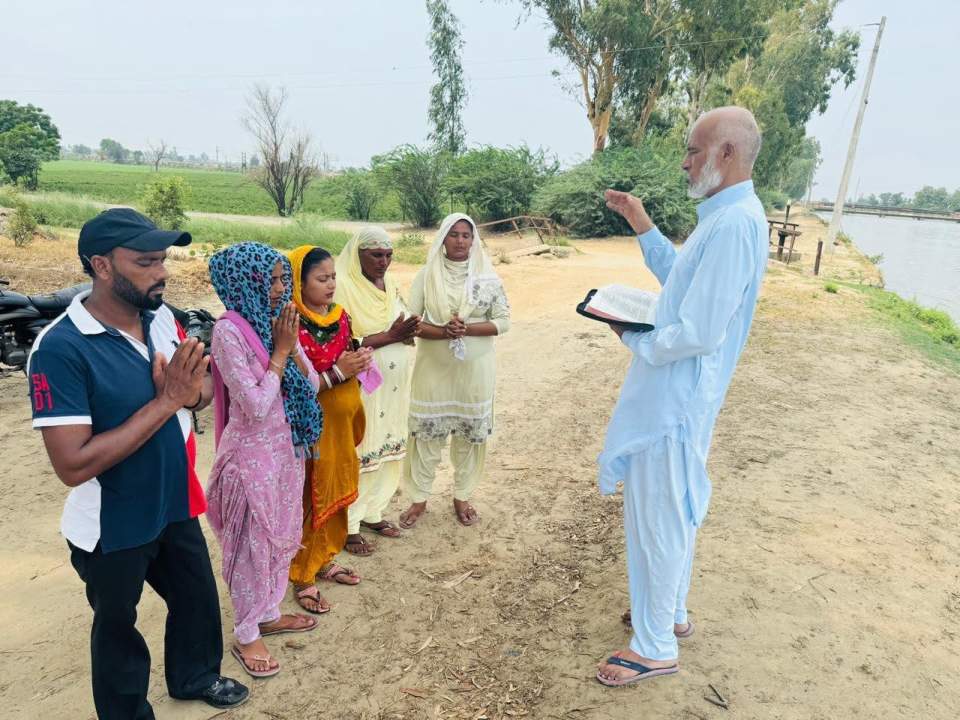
630, 307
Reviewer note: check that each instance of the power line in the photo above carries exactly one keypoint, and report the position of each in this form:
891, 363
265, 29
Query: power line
394, 68
327, 86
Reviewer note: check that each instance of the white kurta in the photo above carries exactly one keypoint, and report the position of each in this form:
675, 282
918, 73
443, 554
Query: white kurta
451, 395
659, 435
453, 389
384, 444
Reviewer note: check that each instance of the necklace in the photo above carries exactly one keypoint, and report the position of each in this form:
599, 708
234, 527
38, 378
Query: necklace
322, 335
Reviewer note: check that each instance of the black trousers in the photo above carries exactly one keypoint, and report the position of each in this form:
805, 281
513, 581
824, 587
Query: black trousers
177, 567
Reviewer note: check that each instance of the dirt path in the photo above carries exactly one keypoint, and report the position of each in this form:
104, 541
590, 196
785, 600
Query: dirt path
826, 581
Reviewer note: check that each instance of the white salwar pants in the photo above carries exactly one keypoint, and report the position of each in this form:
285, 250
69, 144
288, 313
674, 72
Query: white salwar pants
660, 537
424, 455
373, 495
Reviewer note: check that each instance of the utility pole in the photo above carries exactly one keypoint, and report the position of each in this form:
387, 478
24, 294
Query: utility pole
837, 215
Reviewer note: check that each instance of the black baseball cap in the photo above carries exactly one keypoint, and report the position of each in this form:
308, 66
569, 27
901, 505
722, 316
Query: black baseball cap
126, 228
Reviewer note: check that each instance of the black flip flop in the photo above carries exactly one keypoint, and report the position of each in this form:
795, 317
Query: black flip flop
643, 672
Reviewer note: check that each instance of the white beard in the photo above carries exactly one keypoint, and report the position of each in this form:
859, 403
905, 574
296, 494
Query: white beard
710, 178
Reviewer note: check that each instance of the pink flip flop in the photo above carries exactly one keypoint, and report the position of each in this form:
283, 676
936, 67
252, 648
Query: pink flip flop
308, 628
310, 592
236, 652
336, 571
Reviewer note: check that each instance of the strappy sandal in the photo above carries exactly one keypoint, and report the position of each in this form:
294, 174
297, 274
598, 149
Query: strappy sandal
242, 659
334, 572
310, 592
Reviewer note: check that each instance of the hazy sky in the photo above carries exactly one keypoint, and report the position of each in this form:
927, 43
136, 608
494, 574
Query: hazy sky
358, 75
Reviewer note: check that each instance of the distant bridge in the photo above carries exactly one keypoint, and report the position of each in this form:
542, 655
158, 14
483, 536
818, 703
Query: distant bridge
882, 211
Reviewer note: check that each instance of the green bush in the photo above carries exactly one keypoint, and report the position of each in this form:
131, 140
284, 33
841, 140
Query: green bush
417, 176
831, 288
21, 225
361, 193
575, 199
409, 240
773, 199
164, 202
496, 183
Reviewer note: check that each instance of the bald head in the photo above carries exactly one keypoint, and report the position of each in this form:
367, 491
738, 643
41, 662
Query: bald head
722, 147
734, 126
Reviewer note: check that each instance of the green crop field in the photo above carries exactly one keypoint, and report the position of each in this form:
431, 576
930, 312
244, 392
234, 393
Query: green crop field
210, 190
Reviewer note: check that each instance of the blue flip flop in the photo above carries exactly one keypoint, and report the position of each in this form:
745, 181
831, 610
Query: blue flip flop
643, 672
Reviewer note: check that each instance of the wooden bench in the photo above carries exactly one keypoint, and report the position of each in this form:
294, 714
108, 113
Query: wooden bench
540, 225
784, 230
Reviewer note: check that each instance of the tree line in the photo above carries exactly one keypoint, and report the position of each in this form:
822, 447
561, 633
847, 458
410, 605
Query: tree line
937, 199
644, 70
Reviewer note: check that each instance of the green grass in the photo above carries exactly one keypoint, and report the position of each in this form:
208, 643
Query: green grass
211, 191
932, 332
831, 287
410, 249
56, 209
305, 230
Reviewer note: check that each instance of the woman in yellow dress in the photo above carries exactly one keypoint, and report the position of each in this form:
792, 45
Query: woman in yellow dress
333, 470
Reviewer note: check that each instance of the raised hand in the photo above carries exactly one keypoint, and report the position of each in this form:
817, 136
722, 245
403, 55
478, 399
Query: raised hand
286, 329
403, 329
631, 208
180, 381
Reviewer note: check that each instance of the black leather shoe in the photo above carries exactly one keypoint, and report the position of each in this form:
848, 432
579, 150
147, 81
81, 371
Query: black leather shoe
225, 694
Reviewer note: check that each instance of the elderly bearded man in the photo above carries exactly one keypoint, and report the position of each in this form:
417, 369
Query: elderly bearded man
659, 435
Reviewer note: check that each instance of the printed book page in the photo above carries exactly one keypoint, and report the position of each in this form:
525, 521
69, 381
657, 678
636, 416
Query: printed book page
622, 303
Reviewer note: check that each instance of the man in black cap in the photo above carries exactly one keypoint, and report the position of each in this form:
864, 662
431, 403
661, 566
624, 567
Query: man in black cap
114, 412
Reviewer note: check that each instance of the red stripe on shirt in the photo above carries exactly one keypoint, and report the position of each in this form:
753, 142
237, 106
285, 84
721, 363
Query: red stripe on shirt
197, 501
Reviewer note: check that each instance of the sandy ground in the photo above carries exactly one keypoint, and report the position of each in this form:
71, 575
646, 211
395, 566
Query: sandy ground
825, 585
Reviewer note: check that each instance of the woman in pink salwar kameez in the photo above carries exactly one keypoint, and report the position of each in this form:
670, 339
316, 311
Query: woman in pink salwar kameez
266, 411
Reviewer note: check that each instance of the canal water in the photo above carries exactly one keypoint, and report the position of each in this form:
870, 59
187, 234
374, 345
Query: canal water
921, 258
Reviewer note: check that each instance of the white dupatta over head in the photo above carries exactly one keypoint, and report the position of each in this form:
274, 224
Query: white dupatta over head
457, 288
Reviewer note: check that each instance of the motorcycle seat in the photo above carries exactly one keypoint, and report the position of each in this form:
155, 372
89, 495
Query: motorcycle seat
58, 301
10, 300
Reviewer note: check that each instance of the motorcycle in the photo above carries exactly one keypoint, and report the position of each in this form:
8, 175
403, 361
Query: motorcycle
23, 318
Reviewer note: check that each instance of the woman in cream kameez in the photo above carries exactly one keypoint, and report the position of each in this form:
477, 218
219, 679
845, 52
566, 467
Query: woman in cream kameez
463, 307
379, 322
